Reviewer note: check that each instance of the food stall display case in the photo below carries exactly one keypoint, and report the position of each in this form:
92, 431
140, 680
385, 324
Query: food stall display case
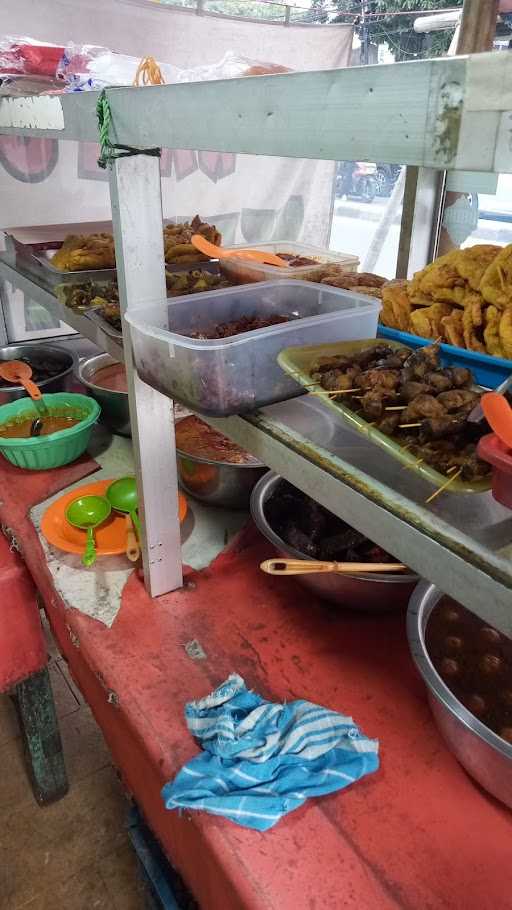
438, 115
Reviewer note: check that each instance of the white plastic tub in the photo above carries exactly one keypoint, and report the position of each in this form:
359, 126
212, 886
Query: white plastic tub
219, 377
243, 271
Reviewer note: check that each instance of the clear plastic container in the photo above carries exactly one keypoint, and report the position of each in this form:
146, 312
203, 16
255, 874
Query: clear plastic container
241, 271
219, 377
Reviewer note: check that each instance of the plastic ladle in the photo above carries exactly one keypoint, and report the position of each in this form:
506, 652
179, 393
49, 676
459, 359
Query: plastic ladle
220, 252
19, 373
498, 414
122, 496
310, 566
87, 513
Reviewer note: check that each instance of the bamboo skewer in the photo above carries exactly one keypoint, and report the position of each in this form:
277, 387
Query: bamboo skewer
396, 407
444, 486
406, 426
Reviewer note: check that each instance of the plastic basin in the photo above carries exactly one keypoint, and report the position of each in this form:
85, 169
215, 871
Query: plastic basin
41, 453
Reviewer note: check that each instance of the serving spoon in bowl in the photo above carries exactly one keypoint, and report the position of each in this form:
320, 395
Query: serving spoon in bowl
19, 373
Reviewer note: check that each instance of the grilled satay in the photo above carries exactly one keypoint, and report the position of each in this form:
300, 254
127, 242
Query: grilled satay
340, 380
457, 398
460, 376
423, 361
422, 406
336, 362
389, 423
369, 355
375, 401
440, 380
438, 427
386, 380
410, 390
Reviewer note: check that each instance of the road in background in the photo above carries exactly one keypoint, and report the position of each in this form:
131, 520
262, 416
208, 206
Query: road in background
354, 224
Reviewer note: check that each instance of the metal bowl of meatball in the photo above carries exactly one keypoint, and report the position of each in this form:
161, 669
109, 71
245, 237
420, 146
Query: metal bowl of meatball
466, 666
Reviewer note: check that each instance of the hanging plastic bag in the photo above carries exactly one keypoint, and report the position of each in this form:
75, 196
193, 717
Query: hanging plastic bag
22, 55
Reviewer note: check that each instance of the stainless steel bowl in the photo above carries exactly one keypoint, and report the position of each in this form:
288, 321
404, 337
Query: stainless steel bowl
365, 593
115, 413
62, 382
218, 483
484, 755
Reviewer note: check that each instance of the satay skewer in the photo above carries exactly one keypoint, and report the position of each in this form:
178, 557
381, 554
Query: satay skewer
444, 486
407, 426
396, 407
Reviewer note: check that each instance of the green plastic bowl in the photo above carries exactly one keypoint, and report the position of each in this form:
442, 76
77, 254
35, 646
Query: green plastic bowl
40, 453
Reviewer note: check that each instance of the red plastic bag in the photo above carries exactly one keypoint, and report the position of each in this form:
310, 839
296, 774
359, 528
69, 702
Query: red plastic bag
28, 56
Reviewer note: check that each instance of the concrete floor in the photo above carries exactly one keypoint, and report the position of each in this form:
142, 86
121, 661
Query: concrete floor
75, 854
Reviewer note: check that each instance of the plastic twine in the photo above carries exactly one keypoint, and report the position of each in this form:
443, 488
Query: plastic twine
109, 150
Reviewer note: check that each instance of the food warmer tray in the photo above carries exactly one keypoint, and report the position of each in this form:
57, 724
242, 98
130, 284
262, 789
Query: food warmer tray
488, 371
36, 257
95, 316
298, 362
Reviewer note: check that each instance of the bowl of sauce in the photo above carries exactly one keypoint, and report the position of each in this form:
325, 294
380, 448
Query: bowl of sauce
64, 433
105, 381
213, 468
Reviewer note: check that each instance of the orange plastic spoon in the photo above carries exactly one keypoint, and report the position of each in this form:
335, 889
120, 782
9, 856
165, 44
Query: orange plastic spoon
498, 414
220, 252
17, 372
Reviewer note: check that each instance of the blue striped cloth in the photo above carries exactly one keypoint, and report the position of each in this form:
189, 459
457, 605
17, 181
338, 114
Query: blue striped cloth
262, 760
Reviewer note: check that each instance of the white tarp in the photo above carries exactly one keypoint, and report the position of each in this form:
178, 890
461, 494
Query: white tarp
250, 198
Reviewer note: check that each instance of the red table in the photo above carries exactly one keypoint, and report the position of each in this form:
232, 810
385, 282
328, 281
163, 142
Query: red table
419, 834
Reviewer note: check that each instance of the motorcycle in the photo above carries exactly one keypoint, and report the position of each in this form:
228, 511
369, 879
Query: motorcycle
357, 179
387, 175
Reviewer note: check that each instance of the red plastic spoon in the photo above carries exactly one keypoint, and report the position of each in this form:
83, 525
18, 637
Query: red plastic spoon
498, 414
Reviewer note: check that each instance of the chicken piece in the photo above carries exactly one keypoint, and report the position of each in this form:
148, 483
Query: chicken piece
457, 398
496, 283
422, 406
472, 262
461, 377
505, 331
384, 380
440, 380
339, 380
410, 390
492, 332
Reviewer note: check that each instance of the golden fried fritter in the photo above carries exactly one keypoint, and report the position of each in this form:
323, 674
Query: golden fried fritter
440, 280
452, 328
395, 301
505, 330
472, 262
492, 332
496, 284
472, 340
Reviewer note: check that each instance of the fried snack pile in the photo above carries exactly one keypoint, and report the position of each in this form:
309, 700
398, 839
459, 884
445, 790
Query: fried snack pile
80, 252
464, 298
177, 237
83, 252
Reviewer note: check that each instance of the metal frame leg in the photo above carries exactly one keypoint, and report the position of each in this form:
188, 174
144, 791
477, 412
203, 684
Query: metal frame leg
41, 737
135, 193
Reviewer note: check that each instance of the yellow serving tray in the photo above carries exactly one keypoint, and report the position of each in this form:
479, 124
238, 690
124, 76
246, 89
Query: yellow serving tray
298, 362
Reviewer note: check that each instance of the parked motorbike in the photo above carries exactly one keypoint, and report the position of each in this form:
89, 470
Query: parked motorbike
357, 179
387, 175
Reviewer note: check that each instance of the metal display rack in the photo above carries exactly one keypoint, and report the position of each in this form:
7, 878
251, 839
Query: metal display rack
448, 114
